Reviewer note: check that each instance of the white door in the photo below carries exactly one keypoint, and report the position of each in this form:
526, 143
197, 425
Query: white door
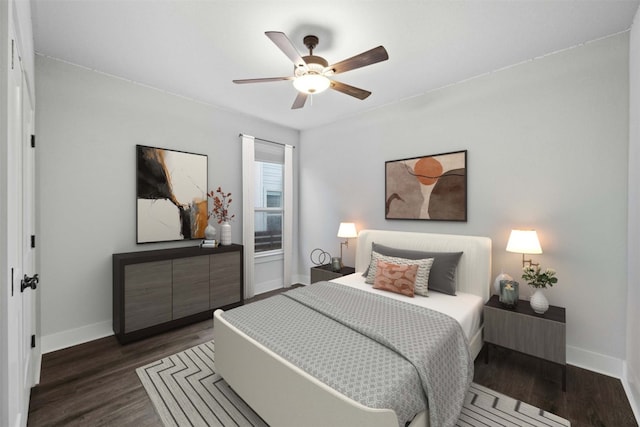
30, 342
19, 309
17, 414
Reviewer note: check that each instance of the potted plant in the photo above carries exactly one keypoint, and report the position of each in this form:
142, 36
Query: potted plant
221, 204
538, 279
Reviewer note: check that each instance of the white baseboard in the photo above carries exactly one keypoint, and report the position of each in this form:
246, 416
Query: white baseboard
37, 366
596, 362
631, 384
71, 337
300, 278
271, 285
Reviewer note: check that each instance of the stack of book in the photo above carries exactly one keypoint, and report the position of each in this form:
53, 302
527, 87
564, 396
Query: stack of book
208, 244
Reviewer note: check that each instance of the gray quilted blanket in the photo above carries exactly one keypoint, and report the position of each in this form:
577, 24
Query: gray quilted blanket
380, 352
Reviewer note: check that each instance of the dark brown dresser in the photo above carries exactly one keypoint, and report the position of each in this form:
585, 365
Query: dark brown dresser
154, 291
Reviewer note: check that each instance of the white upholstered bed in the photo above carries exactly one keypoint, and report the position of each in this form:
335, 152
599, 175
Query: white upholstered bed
285, 395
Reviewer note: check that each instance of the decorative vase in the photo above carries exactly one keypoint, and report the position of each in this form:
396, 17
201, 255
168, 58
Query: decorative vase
225, 233
539, 302
210, 232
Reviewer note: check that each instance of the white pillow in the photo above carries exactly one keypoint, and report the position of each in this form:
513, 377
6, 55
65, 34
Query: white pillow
422, 278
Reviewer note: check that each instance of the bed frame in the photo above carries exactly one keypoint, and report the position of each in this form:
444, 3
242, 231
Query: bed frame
285, 395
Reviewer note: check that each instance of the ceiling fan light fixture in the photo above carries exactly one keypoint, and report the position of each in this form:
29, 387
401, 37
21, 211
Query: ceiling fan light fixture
311, 83
311, 72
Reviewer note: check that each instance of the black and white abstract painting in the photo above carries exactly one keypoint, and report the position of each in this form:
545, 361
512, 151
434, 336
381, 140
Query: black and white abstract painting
171, 200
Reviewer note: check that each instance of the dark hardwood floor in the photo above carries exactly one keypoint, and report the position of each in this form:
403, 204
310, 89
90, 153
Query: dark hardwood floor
591, 399
95, 384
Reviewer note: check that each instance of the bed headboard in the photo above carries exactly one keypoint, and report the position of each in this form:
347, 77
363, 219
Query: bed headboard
474, 270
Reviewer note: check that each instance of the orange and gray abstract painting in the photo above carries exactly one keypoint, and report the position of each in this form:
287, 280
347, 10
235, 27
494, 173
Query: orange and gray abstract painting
429, 187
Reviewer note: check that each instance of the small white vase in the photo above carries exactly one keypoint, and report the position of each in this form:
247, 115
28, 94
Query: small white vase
225, 233
539, 302
210, 232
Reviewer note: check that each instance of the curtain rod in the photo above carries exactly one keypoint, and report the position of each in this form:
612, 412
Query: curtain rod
266, 140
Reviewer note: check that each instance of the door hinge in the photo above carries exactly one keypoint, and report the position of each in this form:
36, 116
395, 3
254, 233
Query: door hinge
11, 281
33, 141
33, 241
33, 341
12, 52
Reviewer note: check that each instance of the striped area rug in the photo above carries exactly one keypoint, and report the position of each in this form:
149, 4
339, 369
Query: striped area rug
485, 407
187, 392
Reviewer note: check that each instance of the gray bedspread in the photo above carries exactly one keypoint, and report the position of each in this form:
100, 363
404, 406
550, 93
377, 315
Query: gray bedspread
378, 351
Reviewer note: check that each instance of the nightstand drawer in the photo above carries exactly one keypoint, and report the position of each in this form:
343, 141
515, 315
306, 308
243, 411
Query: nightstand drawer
535, 336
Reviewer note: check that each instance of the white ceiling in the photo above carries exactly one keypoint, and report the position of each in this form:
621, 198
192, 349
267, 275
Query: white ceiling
195, 48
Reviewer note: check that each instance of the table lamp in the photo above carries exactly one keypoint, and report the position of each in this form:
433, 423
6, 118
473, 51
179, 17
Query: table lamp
347, 230
524, 242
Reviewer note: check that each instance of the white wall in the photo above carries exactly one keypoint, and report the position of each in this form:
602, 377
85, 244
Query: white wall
88, 126
547, 145
268, 272
24, 35
633, 308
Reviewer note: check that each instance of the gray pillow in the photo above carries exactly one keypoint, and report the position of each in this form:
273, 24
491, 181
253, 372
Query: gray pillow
442, 276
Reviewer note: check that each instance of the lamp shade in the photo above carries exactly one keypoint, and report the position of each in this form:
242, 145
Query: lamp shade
311, 83
347, 230
524, 242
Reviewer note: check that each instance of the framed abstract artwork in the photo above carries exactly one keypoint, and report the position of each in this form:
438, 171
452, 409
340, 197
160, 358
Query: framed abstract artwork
428, 187
171, 195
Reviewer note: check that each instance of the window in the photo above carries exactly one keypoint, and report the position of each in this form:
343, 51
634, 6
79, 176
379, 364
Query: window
268, 206
267, 217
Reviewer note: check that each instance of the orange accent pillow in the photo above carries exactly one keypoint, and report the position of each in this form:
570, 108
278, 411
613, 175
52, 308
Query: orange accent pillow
396, 278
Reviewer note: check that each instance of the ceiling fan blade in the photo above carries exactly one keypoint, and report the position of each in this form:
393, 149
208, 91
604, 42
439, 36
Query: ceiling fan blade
349, 90
268, 79
282, 41
377, 54
299, 101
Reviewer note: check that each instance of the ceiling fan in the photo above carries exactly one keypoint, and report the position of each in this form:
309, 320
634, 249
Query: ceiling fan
311, 73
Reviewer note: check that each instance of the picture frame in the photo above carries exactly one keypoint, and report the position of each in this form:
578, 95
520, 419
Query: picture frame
171, 195
432, 188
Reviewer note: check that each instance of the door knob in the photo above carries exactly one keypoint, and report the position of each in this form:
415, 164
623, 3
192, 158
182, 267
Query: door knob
29, 282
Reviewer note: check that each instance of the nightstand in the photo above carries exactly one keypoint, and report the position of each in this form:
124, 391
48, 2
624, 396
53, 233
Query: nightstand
325, 272
521, 329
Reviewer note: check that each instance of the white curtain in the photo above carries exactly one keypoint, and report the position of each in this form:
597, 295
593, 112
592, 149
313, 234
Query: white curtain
248, 234
287, 238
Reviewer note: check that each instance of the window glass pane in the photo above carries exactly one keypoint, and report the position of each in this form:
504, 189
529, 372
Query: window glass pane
268, 226
268, 185
269, 181
274, 199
